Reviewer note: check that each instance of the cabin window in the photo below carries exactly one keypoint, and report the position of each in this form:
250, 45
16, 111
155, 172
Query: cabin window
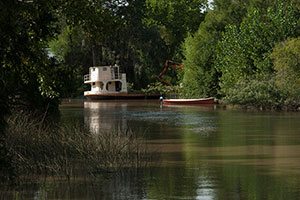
104, 68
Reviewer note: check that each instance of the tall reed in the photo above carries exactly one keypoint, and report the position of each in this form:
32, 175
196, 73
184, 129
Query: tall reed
37, 148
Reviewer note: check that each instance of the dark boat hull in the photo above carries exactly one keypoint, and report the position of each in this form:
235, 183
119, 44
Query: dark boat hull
120, 96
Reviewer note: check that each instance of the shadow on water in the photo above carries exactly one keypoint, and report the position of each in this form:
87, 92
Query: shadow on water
206, 153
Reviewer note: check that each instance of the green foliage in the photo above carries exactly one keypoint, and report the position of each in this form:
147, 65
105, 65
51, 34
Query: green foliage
26, 72
286, 59
25, 31
162, 89
175, 19
72, 49
109, 32
259, 93
244, 51
131, 34
24, 34
200, 77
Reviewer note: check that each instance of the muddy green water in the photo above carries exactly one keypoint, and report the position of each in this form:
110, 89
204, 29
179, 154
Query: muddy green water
207, 153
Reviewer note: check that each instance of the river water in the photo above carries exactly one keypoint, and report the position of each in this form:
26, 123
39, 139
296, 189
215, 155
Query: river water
206, 153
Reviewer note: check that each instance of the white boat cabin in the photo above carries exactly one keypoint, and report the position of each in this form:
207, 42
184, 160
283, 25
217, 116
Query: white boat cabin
105, 80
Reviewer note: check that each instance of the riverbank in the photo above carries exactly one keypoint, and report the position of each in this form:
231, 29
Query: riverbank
292, 107
250, 95
255, 108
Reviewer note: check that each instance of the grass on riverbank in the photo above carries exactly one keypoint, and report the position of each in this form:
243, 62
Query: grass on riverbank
39, 149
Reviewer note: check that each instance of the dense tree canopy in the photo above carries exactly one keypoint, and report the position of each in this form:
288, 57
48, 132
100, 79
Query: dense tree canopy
248, 75
26, 27
28, 75
244, 52
111, 32
286, 59
175, 19
201, 77
232, 48
131, 33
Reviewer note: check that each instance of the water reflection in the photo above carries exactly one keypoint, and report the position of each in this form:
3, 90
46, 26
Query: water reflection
212, 154
206, 154
209, 153
101, 116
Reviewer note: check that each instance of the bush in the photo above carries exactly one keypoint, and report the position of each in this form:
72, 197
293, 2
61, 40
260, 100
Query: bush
286, 58
263, 94
161, 89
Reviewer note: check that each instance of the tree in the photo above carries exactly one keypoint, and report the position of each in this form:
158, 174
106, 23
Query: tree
175, 19
24, 36
243, 53
117, 37
201, 78
127, 33
25, 68
200, 75
73, 51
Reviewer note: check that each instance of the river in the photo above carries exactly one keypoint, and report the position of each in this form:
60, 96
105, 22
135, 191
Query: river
205, 153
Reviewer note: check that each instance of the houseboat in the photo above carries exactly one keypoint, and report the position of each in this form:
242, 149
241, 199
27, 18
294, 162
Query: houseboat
108, 83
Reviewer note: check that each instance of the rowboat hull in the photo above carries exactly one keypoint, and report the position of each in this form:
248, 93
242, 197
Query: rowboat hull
188, 101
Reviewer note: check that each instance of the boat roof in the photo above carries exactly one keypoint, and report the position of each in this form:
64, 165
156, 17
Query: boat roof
105, 66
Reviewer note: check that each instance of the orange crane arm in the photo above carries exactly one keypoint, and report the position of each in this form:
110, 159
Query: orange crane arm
166, 66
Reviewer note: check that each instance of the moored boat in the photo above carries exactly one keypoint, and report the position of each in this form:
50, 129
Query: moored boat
122, 96
209, 100
108, 83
